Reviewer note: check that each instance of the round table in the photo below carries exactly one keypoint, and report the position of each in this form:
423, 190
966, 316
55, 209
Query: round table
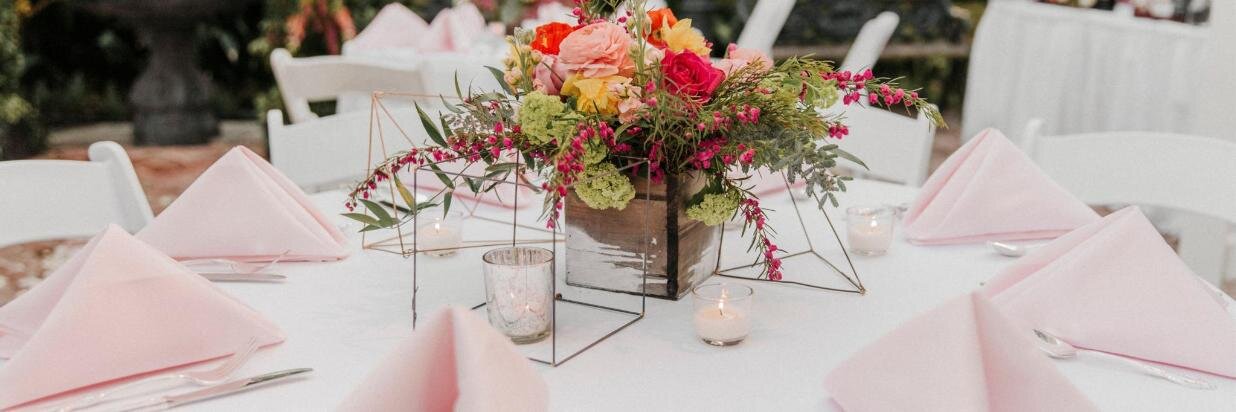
342, 318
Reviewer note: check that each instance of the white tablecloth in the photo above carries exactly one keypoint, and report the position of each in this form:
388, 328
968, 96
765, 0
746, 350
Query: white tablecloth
341, 318
1081, 71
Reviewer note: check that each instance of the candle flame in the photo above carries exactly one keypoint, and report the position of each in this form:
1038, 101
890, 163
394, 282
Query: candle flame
437, 227
721, 302
873, 223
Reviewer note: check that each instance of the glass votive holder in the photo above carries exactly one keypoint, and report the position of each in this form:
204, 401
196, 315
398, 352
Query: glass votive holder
869, 229
438, 235
722, 313
519, 299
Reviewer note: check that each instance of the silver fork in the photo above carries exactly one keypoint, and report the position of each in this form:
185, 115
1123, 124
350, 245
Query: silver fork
237, 266
199, 378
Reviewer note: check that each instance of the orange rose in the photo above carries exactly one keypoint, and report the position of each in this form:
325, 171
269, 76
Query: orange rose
661, 18
549, 36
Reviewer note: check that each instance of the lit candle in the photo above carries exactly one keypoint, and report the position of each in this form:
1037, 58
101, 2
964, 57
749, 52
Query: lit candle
440, 236
870, 230
519, 292
722, 317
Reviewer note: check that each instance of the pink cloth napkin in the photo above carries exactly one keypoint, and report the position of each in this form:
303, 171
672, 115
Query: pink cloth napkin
961, 356
118, 308
243, 209
454, 362
454, 29
990, 190
1117, 287
395, 26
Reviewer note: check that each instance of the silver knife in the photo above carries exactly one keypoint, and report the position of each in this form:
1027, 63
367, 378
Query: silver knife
222, 389
242, 277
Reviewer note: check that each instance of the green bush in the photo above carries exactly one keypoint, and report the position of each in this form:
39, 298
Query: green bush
21, 132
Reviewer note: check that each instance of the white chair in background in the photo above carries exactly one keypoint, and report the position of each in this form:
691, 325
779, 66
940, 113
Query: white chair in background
328, 152
1193, 174
895, 147
870, 42
347, 80
61, 199
765, 25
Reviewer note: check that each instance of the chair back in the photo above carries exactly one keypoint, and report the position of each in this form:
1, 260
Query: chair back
332, 151
60, 199
1190, 173
895, 147
869, 44
765, 24
320, 78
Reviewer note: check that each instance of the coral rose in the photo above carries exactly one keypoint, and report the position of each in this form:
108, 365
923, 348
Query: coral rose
596, 50
691, 75
661, 18
549, 37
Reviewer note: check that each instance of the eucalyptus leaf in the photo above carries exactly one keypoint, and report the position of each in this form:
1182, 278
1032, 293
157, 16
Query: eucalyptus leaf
501, 80
430, 129
384, 217
363, 218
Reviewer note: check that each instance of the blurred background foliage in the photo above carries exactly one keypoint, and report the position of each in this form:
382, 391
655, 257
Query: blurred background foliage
61, 65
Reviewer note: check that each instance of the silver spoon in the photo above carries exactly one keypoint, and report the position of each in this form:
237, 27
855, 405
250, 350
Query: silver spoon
1059, 349
1009, 250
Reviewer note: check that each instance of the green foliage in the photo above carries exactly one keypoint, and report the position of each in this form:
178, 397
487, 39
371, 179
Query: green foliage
21, 132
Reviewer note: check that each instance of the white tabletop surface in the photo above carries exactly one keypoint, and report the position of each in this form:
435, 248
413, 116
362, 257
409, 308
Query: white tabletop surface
342, 318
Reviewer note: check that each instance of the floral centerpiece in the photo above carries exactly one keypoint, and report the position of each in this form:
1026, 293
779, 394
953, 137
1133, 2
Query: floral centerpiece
583, 103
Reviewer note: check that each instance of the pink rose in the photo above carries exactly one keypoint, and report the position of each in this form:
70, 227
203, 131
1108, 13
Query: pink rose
548, 75
738, 57
689, 74
596, 50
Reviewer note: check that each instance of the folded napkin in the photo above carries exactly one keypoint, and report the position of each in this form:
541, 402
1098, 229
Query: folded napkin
990, 190
454, 362
118, 308
961, 356
454, 29
243, 209
395, 26
1116, 286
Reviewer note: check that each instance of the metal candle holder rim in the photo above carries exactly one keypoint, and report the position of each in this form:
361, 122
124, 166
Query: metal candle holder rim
544, 256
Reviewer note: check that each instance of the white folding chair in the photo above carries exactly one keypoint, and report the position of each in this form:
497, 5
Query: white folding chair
895, 147
329, 152
346, 79
61, 199
1186, 173
765, 25
870, 42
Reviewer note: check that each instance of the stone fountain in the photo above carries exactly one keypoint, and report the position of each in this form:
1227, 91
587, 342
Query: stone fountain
171, 97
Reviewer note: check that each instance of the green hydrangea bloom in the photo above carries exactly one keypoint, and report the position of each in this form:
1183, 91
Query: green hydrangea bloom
594, 152
540, 117
602, 186
715, 208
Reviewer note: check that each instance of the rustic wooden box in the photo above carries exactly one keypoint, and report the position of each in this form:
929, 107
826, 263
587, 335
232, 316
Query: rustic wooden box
605, 248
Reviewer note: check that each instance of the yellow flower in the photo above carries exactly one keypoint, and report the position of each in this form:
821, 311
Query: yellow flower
596, 95
682, 37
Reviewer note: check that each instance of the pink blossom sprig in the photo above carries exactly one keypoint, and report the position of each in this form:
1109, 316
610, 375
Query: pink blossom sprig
756, 216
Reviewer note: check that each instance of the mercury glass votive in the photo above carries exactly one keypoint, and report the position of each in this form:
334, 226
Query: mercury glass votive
519, 298
869, 229
722, 313
438, 235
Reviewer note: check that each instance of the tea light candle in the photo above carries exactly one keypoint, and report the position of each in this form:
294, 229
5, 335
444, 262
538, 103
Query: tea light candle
870, 230
722, 313
440, 236
519, 294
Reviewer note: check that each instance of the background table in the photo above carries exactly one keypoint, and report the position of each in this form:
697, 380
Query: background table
342, 318
1081, 71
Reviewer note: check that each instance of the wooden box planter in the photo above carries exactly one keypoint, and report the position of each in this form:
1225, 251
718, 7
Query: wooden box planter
605, 248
